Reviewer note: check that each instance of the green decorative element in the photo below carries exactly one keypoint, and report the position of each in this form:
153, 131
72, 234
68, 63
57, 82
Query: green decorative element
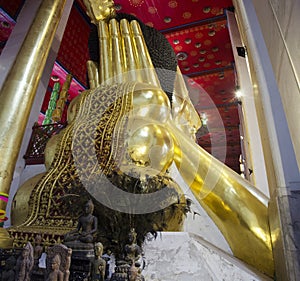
52, 104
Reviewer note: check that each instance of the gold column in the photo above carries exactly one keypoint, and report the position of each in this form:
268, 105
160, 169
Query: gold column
18, 92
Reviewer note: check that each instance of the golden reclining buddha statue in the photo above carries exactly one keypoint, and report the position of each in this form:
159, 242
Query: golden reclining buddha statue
124, 134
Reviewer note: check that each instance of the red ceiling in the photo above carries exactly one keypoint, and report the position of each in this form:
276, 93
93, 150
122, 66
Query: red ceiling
6, 26
12, 7
207, 47
198, 28
166, 14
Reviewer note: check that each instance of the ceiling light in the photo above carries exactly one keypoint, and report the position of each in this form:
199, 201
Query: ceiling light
202, 52
176, 41
215, 49
167, 19
241, 158
198, 45
242, 167
238, 92
55, 78
203, 118
5, 24
188, 40
181, 56
206, 10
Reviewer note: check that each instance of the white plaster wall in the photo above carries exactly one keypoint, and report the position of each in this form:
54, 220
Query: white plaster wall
280, 23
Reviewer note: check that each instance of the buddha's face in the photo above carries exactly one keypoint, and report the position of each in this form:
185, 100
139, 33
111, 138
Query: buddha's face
88, 208
99, 9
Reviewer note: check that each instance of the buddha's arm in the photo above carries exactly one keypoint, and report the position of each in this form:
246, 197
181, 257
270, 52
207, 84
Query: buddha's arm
95, 226
238, 209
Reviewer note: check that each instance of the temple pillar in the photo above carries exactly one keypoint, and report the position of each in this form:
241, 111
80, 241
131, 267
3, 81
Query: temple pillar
27, 53
282, 167
251, 135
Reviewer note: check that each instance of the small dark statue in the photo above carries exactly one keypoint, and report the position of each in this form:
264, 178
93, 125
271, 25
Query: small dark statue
132, 250
86, 228
38, 250
128, 268
25, 263
98, 264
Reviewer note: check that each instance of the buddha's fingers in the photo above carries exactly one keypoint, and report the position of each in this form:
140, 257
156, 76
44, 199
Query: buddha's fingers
143, 57
105, 65
116, 52
129, 52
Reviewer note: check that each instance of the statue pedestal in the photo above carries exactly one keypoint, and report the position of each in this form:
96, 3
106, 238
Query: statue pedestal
81, 250
180, 256
81, 261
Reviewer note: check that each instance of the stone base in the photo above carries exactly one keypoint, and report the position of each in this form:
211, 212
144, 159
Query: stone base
81, 250
83, 254
180, 256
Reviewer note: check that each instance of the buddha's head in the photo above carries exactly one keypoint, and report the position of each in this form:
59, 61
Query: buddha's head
89, 207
